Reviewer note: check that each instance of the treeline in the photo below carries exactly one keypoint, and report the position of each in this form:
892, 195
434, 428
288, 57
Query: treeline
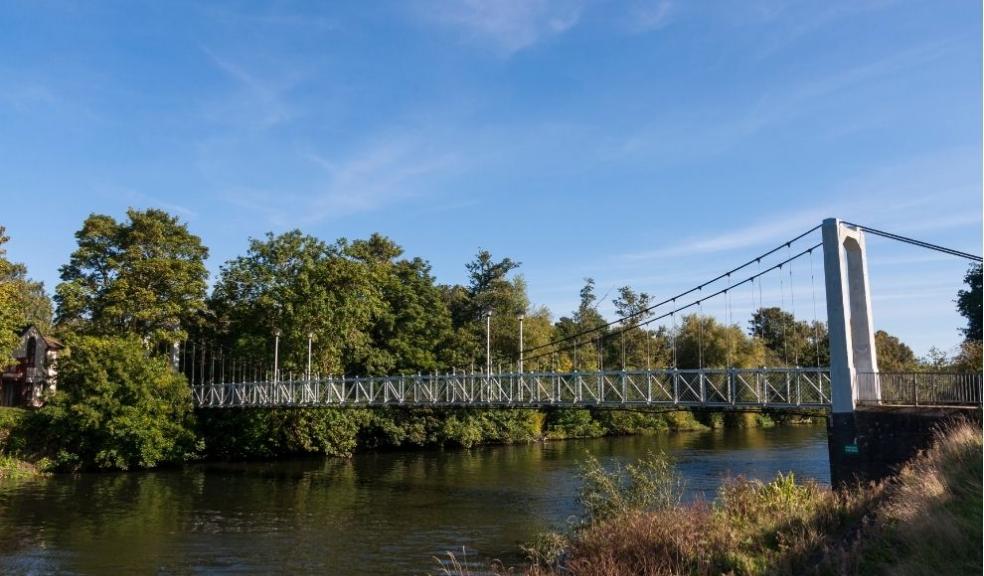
134, 298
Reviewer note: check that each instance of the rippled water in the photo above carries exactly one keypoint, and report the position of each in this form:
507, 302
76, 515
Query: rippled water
383, 513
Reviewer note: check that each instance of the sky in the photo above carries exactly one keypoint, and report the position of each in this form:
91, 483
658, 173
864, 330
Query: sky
644, 143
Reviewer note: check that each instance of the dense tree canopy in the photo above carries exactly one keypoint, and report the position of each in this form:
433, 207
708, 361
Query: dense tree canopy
145, 276
893, 354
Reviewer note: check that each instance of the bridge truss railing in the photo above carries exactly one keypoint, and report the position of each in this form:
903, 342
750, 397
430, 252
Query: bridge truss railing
771, 387
919, 388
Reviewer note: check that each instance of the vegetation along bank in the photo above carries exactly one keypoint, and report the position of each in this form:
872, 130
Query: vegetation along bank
136, 317
925, 520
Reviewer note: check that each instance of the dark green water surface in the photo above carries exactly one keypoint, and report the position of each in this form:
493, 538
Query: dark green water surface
381, 513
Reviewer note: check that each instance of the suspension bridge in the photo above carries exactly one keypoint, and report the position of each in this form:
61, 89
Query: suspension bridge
851, 380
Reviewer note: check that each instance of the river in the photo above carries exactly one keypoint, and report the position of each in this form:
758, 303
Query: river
377, 513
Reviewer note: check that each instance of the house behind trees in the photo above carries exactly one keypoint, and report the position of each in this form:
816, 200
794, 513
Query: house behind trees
33, 374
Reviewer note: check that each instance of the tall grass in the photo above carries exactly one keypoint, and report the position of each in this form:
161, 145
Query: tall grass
927, 520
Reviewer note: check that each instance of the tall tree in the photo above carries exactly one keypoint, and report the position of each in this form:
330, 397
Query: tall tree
970, 303
581, 332
633, 346
702, 342
791, 342
412, 331
145, 276
299, 285
893, 354
491, 290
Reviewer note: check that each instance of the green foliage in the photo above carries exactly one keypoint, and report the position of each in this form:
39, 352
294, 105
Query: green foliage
268, 433
790, 342
652, 483
573, 423
893, 354
10, 421
145, 277
367, 311
116, 408
970, 303
703, 342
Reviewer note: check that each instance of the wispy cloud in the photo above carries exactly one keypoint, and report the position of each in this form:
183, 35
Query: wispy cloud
383, 174
774, 229
392, 170
649, 15
508, 26
258, 101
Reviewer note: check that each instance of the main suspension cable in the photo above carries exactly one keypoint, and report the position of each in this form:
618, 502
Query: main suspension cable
698, 302
643, 311
915, 242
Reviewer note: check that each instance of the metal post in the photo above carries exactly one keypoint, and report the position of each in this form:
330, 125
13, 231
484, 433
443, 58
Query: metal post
276, 355
308, 377
520, 343
488, 344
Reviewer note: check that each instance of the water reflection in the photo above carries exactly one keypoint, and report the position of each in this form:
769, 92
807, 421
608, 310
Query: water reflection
379, 513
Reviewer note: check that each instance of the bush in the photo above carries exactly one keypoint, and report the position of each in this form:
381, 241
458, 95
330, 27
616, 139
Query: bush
652, 483
573, 423
273, 432
116, 407
10, 419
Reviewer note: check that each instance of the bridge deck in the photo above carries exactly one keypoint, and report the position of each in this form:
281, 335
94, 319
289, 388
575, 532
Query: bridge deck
765, 387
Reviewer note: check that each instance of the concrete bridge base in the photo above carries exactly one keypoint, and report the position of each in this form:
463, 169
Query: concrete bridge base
873, 442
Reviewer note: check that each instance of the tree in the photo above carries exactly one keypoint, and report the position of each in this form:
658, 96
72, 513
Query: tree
116, 408
299, 285
893, 354
412, 331
22, 302
145, 277
703, 343
970, 303
791, 342
634, 345
491, 290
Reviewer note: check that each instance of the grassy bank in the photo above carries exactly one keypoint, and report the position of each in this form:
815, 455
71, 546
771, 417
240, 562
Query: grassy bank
925, 520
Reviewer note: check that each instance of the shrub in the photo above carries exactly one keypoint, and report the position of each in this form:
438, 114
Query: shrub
652, 483
116, 407
573, 423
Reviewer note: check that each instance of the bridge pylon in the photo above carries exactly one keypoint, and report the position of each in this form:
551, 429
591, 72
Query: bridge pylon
852, 343
849, 319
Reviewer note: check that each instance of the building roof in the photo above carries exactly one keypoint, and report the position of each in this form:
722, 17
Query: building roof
49, 341
52, 343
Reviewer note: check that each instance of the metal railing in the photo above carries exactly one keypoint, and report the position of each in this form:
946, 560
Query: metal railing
764, 387
918, 389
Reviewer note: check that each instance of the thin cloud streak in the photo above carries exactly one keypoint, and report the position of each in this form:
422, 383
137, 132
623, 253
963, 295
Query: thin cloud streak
508, 26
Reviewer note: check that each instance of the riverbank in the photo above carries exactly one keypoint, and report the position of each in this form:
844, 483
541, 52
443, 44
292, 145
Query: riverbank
927, 519
273, 433
270, 434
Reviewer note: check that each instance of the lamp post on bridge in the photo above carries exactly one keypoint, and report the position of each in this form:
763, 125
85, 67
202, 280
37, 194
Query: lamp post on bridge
310, 336
520, 318
276, 355
488, 344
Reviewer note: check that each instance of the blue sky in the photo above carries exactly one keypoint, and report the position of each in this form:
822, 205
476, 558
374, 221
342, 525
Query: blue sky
651, 143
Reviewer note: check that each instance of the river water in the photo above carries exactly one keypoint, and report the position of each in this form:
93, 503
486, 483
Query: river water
378, 513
